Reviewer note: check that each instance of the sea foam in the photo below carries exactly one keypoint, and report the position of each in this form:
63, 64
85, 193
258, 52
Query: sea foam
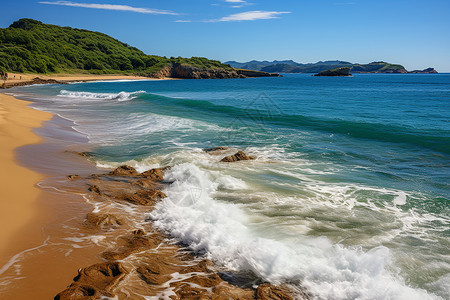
226, 234
121, 96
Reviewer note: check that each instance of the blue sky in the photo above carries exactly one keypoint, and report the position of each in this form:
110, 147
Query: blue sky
414, 33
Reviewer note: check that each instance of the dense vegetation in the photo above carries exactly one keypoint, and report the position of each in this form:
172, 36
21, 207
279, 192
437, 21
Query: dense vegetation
31, 46
290, 66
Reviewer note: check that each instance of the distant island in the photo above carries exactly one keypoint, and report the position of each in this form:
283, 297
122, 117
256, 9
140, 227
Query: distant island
30, 46
345, 71
290, 66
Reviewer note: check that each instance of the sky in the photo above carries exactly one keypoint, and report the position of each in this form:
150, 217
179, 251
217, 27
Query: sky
413, 33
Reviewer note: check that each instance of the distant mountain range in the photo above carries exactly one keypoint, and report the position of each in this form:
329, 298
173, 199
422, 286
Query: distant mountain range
290, 66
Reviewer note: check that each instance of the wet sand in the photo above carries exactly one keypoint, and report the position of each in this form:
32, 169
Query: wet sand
18, 193
36, 259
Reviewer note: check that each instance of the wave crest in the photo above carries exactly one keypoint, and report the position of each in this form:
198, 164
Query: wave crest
121, 96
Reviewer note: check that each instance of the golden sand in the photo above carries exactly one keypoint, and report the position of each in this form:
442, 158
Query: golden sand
17, 184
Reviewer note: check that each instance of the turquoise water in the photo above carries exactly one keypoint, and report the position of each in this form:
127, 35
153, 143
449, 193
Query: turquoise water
349, 193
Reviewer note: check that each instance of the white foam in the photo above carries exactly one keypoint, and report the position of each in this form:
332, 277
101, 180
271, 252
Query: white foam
121, 96
225, 232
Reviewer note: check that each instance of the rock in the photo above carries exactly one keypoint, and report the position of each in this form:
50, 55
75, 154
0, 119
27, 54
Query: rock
124, 171
240, 155
73, 177
143, 197
270, 292
155, 174
94, 189
101, 221
94, 282
208, 150
186, 291
152, 275
227, 291
202, 267
252, 73
135, 243
84, 154
178, 70
345, 71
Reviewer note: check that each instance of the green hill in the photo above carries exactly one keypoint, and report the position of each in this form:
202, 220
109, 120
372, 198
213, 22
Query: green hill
31, 46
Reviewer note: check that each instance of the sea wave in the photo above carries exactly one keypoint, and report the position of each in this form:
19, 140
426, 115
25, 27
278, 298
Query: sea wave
224, 231
434, 139
121, 96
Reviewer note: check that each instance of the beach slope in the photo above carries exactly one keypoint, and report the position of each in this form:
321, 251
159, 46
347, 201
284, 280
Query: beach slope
17, 184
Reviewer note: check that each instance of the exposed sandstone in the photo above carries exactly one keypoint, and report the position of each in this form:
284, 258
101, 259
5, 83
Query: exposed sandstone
124, 171
94, 189
101, 221
240, 155
94, 282
155, 174
270, 292
135, 242
143, 197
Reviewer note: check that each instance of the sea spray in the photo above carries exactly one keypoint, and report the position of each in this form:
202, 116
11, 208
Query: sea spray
223, 231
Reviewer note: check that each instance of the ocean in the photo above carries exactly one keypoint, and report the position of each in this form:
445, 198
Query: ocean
348, 196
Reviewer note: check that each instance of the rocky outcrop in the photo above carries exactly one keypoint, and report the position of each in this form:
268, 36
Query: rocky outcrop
152, 261
156, 174
94, 282
425, 71
345, 71
36, 80
251, 73
177, 70
124, 171
102, 221
240, 155
94, 189
142, 197
136, 242
270, 292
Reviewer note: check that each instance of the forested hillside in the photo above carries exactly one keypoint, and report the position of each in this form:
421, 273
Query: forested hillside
31, 46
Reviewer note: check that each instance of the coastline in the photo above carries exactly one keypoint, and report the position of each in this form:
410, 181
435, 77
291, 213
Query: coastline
18, 79
18, 191
45, 238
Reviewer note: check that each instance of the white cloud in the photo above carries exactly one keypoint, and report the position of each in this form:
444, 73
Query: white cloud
183, 21
251, 16
235, 1
112, 7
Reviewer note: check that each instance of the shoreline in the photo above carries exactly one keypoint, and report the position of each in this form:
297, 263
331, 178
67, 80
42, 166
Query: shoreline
17, 122
18, 79
57, 250
38, 258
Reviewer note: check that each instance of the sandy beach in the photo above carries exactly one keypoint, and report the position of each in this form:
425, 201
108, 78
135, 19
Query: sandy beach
17, 79
18, 191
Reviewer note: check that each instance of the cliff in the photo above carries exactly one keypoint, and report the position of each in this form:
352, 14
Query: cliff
178, 70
